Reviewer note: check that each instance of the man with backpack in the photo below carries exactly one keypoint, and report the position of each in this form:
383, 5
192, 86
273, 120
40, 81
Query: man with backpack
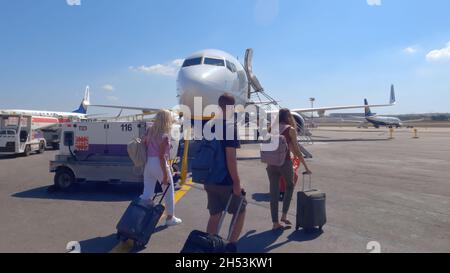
221, 179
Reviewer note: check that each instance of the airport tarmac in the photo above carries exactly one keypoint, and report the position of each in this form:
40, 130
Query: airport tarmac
395, 192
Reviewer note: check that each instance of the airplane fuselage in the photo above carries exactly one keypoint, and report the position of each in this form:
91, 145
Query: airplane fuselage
43, 113
45, 119
384, 121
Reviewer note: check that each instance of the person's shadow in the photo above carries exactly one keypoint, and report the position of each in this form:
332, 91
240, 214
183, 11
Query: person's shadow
99, 244
253, 242
111, 244
91, 191
5, 157
264, 242
261, 197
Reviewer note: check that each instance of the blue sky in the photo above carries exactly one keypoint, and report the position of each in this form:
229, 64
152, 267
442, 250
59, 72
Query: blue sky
337, 51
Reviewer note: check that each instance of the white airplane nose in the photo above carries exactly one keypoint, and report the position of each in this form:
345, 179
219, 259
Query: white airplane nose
202, 82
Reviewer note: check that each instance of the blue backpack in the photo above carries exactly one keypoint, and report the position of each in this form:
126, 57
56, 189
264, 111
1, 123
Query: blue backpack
208, 164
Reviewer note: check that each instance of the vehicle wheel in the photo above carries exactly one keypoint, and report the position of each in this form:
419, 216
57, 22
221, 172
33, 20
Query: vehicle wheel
55, 146
64, 179
27, 151
41, 148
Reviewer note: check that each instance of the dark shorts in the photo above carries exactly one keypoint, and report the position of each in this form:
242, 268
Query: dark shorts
218, 197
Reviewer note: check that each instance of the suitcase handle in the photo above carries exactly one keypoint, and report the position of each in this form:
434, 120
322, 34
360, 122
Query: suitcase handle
164, 194
235, 216
303, 180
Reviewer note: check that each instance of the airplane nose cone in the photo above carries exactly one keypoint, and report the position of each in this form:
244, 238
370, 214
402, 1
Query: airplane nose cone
200, 82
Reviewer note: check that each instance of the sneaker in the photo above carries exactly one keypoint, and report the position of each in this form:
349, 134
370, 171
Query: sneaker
173, 221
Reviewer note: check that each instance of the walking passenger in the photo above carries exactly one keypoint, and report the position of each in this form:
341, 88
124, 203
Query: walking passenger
219, 193
287, 128
157, 169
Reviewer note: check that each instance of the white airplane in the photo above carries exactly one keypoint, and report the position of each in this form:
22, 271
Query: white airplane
45, 119
210, 73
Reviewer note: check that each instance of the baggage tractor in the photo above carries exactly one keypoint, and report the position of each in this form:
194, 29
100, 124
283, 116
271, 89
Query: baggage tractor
139, 220
311, 212
202, 242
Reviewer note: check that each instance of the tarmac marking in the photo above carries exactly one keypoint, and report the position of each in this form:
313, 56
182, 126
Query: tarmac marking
181, 192
126, 247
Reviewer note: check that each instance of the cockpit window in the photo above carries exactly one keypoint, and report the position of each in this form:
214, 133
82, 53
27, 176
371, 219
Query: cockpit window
231, 66
216, 62
193, 61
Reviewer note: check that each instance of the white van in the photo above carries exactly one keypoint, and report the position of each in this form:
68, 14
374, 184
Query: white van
18, 137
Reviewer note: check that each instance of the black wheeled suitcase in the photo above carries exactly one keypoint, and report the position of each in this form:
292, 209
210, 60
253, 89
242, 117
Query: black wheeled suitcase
139, 220
311, 211
202, 242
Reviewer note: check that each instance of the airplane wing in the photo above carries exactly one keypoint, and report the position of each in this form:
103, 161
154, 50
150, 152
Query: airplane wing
143, 109
321, 110
95, 115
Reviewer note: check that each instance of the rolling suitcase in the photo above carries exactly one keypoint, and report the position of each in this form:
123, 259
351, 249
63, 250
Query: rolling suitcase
202, 242
311, 212
139, 220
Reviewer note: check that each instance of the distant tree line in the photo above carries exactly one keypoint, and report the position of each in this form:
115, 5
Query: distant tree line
441, 117
428, 116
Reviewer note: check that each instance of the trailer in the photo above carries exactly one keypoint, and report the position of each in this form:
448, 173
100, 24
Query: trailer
52, 137
97, 151
17, 136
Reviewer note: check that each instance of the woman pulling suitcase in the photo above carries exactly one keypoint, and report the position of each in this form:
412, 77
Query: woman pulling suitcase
157, 140
288, 130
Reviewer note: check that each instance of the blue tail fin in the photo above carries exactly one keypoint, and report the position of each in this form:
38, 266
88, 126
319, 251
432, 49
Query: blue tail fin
81, 110
367, 111
392, 99
84, 103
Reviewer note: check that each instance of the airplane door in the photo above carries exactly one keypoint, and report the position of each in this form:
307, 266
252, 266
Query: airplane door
248, 65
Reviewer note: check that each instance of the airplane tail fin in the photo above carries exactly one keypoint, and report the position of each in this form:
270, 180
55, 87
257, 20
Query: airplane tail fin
367, 111
84, 103
392, 98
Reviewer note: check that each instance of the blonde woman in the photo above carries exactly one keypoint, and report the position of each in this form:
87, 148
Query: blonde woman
157, 140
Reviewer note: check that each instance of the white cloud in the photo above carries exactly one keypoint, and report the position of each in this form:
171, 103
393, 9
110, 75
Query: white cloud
108, 87
439, 54
374, 2
411, 50
112, 98
169, 69
73, 2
